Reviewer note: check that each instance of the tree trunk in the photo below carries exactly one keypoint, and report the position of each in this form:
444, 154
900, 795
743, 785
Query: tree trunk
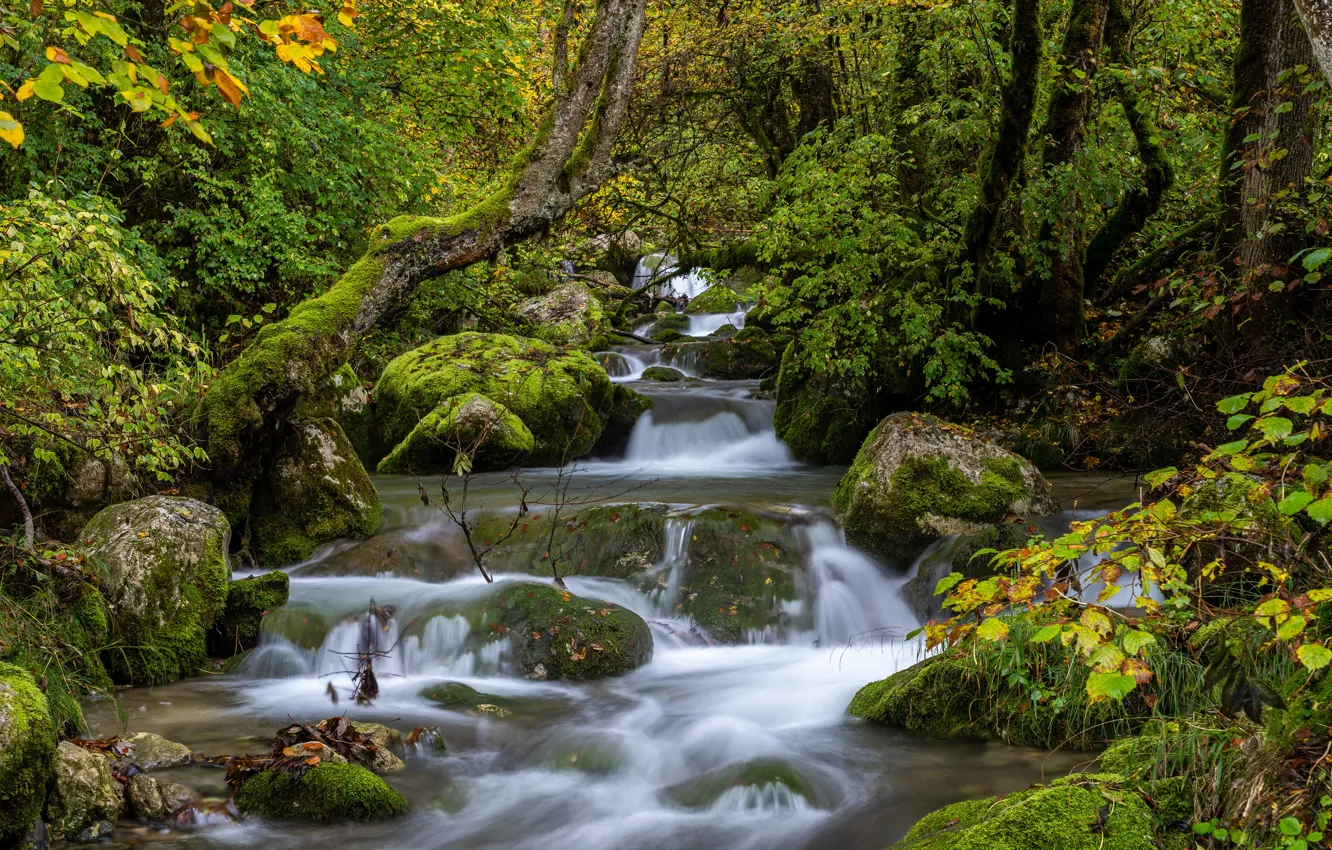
1065, 127
1003, 161
1268, 153
909, 92
1317, 18
569, 158
1141, 202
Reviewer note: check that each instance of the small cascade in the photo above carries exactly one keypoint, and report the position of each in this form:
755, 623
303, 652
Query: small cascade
854, 599
707, 324
662, 272
674, 559
706, 434
769, 797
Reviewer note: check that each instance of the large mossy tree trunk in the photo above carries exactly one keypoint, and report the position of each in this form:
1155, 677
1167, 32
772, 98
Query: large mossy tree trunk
1139, 203
1004, 159
1065, 127
1267, 157
571, 156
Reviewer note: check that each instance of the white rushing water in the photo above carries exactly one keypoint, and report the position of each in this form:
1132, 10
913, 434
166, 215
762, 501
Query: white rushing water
662, 272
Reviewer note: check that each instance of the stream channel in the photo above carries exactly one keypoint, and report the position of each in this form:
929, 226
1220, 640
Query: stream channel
601, 765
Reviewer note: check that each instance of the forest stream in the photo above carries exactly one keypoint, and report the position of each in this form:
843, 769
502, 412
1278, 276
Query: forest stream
700, 748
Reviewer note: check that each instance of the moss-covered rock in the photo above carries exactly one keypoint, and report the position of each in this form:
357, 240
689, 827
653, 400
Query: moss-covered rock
342, 397
727, 331
297, 625
1079, 812
27, 751
727, 359
662, 373
248, 601
671, 320
324, 793
607, 541
315, 492
626, 408
717, 298
563, 397
166, 583
823, 419
470, 425
667, 335
703, 791
917, 477
458, 695
556, 635
84, 792
568, 316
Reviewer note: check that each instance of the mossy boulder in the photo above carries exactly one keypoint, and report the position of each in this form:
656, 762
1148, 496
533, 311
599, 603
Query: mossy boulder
917, 477
727, 331
323, 794
166, 583
727, 359
342, 397
1078, 812
671, 320
469, 425
27, 751
84, 792
824, 419
297, 625
458, 695
606, 541
248, 601
556, 635
316, 491
717, 298
563, 397
663, 373
667, 335
701, 792
568, 316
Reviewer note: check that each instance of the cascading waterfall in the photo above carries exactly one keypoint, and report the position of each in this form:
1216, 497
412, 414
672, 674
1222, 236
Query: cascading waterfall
706, 435
854, 600
662, 272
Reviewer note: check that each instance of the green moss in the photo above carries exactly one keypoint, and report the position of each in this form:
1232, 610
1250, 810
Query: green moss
300, 626
27, 752
556, 635
342, 397
703, 791
563, 397
469, 424
888, 519
324, 793
248, 601
569, 316
607, 541
315, 491
458, 695
672, 321
662, 373
715, 299
1067, 814
728, 359
747, 333
823, 420
666, 335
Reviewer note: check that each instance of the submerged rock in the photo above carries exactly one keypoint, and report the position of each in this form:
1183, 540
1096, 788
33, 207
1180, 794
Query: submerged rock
662, 373
458, 695
1078, 812
563, 397
152, 752
248, 601
556, 635
298, 625
568, 316
917, 478
27, 751
166, 583
84, 793
717, 298
315, 492
470, 425
704, 791
324, 793
152, 799
626, 408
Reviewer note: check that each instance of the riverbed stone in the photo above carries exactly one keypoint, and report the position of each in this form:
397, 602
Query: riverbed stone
701, 792
325, 793
606, 541
468, 428
917, 478
388, 747
27, 752
663, 373
563, 397
83, 793
249, 600
556, 635
166, 583
717, 298
153, 799
570, 315
315, 491
151, 751
1078, 812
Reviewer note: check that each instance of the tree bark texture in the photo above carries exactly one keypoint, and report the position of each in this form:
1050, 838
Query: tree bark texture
569, 158
1316, 15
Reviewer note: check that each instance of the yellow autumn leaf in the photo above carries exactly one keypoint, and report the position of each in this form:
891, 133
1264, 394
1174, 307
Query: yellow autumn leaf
10, 130
24, 91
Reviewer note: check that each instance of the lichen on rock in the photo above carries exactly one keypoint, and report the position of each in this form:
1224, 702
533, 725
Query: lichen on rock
314, 492
917, 478
166, 583
84, 791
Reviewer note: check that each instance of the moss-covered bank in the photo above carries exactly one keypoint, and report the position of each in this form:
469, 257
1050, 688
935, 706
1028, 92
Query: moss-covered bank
27, 751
